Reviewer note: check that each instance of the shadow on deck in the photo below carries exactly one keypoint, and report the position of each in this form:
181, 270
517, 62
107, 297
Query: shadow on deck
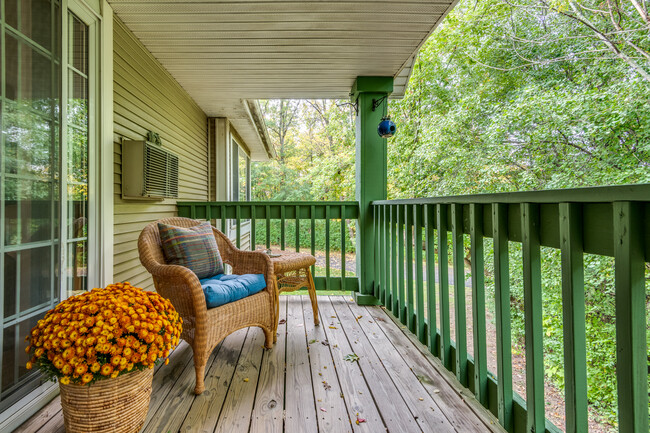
395, 385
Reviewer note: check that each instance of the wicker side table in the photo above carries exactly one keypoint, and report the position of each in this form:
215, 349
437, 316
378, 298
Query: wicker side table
292, 272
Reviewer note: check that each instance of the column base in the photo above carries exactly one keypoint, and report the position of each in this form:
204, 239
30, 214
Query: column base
362, 299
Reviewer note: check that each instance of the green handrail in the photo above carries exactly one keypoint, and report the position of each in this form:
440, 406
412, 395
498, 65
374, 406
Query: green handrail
240, 214
608, 221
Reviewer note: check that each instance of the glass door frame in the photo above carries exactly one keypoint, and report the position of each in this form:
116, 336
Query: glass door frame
89, 18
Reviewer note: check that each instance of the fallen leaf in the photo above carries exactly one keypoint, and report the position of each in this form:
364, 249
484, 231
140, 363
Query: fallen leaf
359, 317
325, 343
352, 357
282, 321
326, 385
322, 409
421, 399
312, 341
360, 420
245, 379
333, 327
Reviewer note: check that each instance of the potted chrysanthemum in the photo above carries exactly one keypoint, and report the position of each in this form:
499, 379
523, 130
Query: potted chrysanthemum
102, 347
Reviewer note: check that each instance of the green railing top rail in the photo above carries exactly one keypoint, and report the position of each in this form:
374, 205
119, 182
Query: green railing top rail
271, 203
595, 219
270, 209
597, 194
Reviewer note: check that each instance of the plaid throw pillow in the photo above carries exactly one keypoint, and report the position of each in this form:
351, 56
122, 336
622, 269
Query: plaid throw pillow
192, 247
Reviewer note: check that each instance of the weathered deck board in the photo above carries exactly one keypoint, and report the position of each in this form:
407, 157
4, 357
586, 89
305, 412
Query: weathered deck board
238, 406
327, 390
205, 410
384, 388
268, 411
358, 398
299, 408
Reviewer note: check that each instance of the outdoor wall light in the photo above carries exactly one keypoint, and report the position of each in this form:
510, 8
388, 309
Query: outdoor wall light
386, 128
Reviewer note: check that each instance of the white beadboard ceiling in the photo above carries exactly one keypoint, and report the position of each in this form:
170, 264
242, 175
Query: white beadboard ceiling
221, 51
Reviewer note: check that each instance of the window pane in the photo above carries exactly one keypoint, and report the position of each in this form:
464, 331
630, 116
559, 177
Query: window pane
29, 142
17, 381
77, 211
77, 157
35, 19
35, 277
79, 45
10, 280
78, 102
28, 211
77, 268
243, 177
34, 87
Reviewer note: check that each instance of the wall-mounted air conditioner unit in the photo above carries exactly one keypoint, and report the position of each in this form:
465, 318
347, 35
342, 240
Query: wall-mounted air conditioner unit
149, 172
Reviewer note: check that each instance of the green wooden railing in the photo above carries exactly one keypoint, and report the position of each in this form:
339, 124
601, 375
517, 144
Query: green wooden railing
237, 217
609, 221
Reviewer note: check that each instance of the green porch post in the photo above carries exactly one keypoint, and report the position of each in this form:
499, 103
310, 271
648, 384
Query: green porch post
371, 173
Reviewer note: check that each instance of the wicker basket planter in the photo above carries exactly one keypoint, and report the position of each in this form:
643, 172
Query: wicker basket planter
116, 405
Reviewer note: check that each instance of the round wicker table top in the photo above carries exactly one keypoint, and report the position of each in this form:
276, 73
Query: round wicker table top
292, 261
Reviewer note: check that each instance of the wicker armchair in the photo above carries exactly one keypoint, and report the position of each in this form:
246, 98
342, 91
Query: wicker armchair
204, 328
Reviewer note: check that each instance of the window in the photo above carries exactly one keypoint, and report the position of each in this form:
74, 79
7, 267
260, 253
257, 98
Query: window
241, 173
45, 155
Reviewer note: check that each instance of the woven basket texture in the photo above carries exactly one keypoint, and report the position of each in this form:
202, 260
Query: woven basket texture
117, 405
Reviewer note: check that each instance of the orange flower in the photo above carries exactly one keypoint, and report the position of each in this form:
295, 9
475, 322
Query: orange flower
95, 367
107, 369
66, 369
68, 353
86, 378
80, 369
65, 380
58, 362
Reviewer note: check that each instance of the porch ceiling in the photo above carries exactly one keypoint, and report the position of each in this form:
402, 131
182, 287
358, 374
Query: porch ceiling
225, 50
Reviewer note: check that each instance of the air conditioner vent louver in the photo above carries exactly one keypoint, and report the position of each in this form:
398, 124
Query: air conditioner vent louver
148, 171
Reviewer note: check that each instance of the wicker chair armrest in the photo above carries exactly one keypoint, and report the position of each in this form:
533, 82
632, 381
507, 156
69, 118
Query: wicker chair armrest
181, 286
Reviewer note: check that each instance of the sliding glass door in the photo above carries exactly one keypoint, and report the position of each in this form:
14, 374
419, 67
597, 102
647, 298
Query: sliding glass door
46, 93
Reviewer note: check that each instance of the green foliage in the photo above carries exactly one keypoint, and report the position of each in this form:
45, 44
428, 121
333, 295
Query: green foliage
275, 235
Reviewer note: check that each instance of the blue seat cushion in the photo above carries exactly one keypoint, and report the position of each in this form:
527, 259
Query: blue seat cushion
222, 289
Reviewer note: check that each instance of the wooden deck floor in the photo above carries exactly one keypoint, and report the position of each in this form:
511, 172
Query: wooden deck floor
307, 383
